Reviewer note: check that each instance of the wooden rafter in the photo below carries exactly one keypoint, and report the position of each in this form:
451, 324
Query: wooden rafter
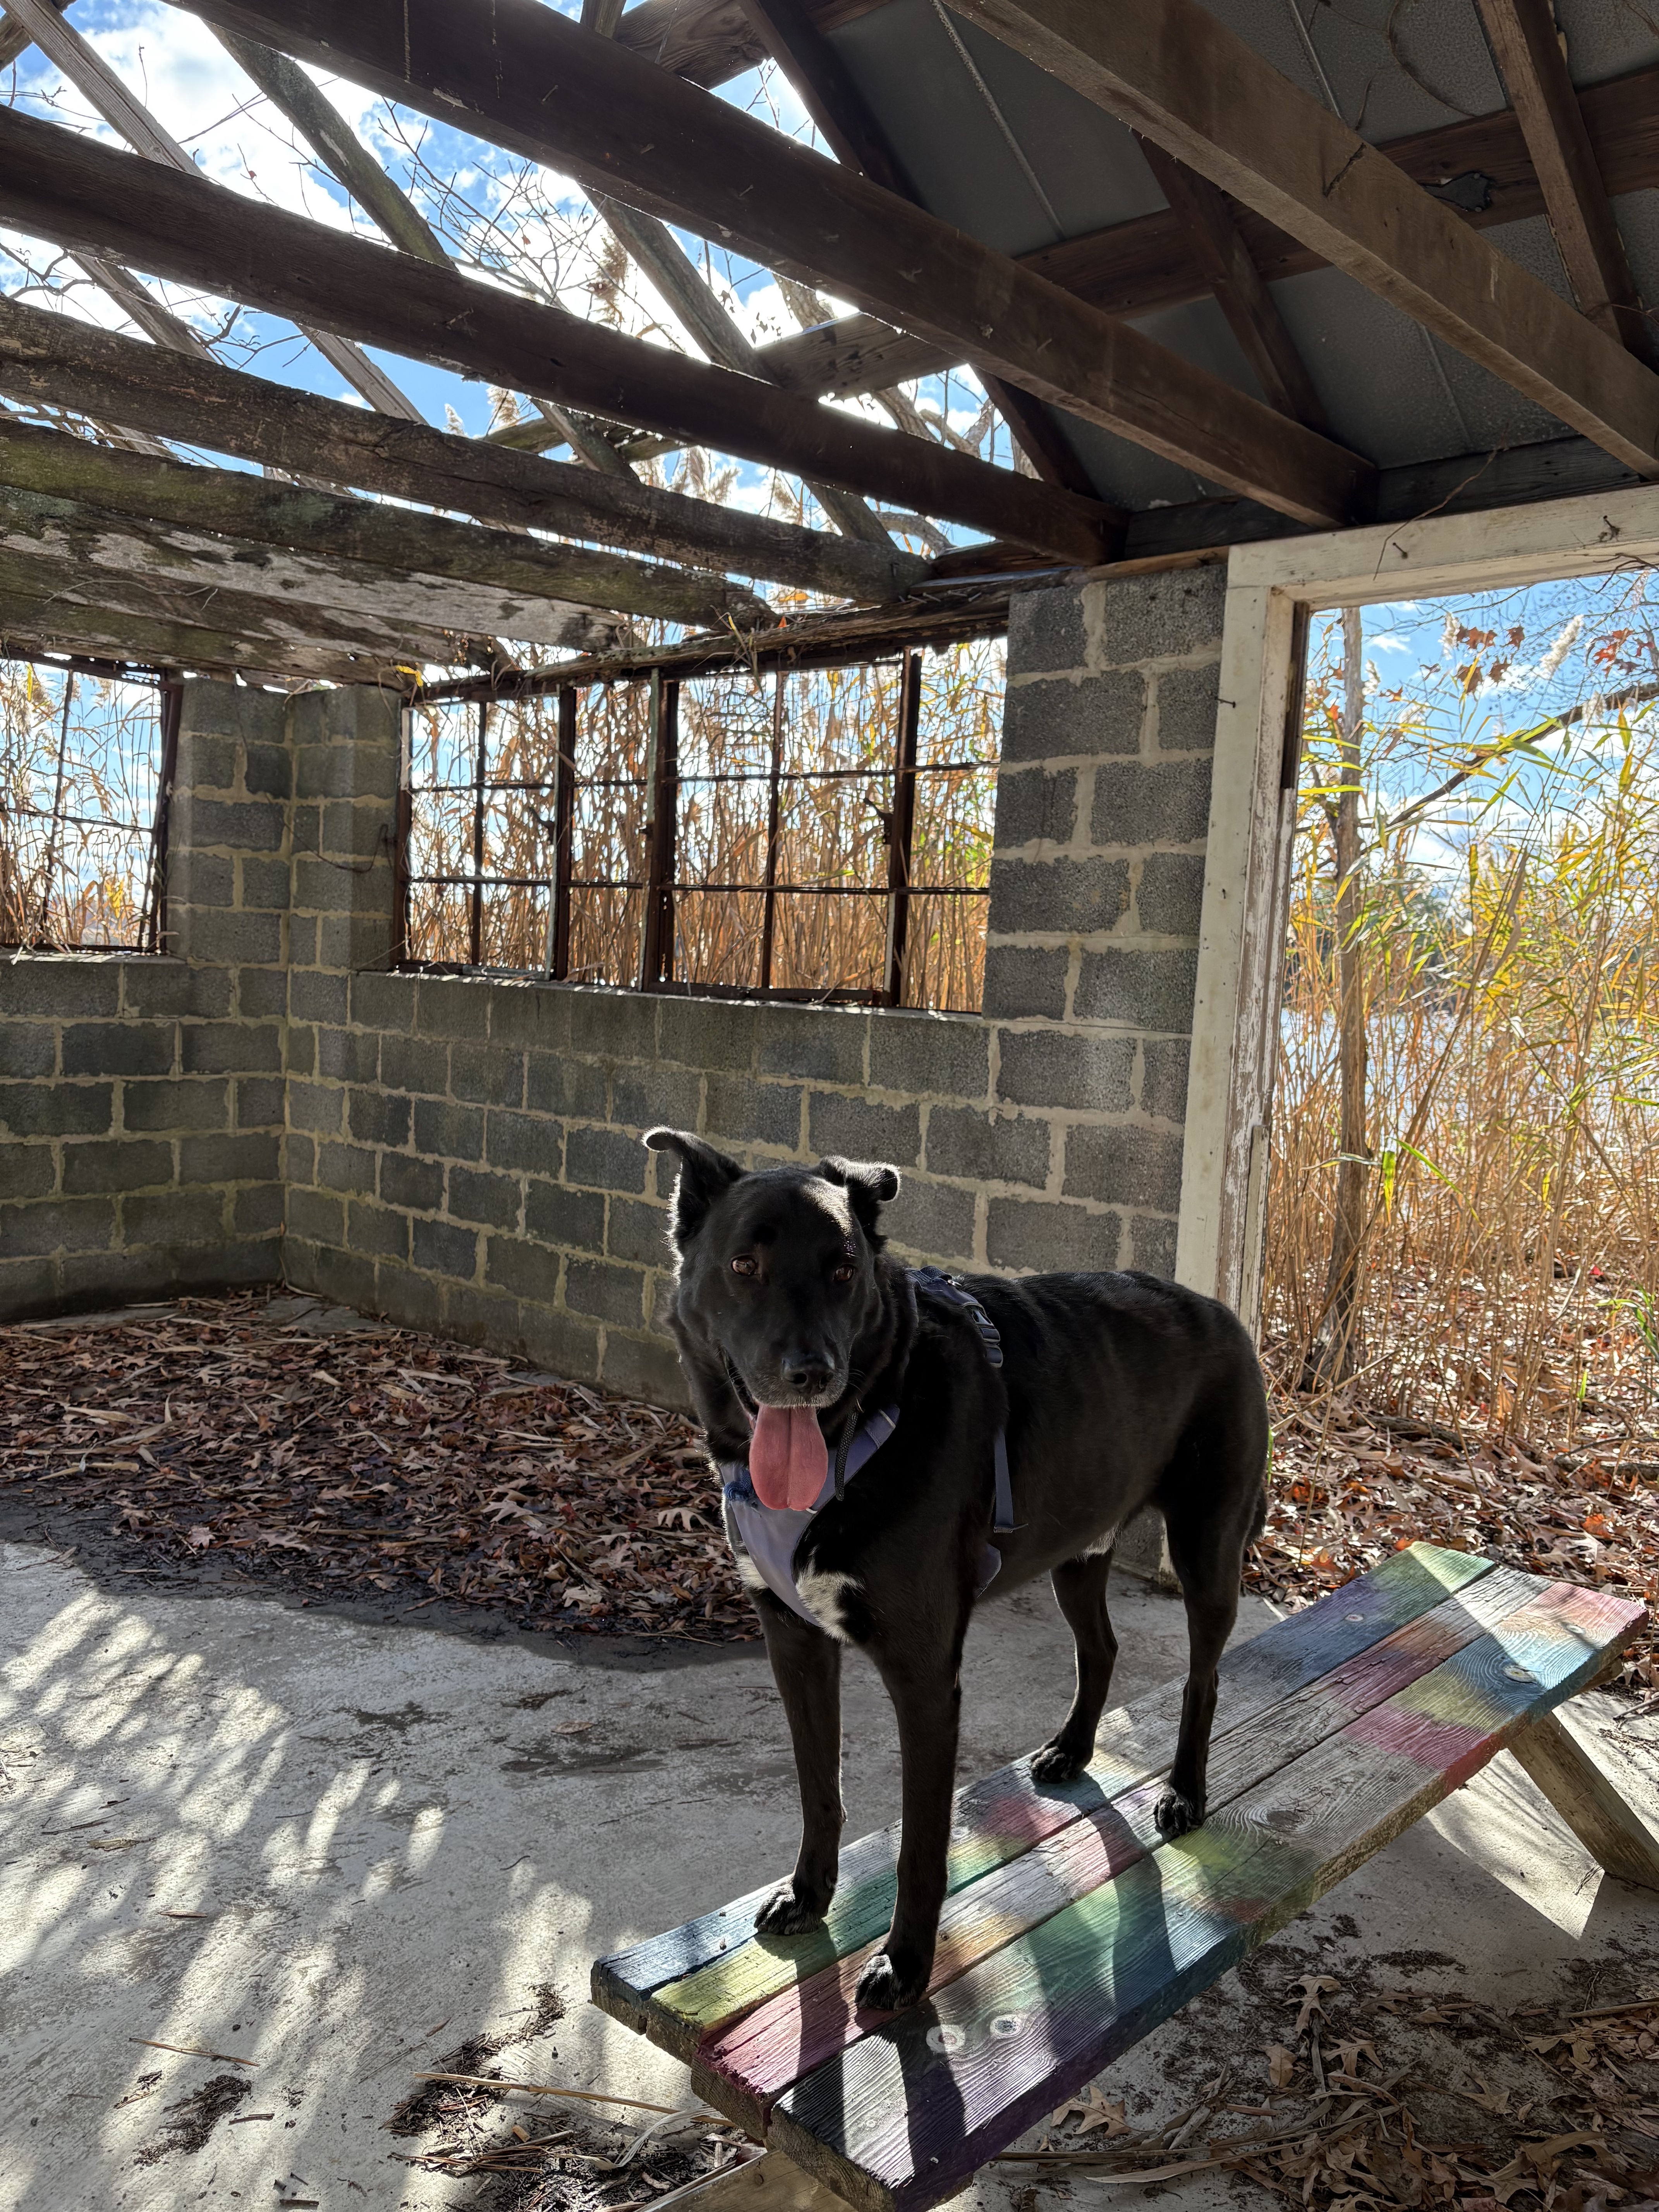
38, 618
50, 361
524, 76
1173, 71
522, 577
56, 184
1527, 48
1480, 166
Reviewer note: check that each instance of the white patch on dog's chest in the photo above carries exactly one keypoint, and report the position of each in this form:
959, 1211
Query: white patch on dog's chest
821, 1593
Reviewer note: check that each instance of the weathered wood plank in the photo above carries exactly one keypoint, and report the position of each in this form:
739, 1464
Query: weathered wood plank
1173, 71
531, 81
1006, 1813
46, 620
910, 2112
56, 184
744, 2067
56, 361
1611, 1830
385, 542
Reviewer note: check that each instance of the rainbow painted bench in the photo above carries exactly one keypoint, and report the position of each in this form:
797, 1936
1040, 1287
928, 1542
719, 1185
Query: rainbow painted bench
1073, 1928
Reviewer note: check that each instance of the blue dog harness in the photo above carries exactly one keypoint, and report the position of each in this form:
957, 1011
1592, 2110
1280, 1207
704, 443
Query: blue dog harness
771, 1535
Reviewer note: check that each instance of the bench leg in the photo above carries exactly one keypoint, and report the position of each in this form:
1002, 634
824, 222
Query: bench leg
770, 2182
1616, 1837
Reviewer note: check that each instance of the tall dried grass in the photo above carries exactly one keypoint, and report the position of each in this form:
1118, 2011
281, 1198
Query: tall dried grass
1509, 1280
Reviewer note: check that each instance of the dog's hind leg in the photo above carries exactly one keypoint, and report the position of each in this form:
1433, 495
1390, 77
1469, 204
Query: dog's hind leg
1206, 1549
806, 1668
1080, 1593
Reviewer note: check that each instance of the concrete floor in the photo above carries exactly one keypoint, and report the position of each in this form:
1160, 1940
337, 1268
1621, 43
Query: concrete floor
401, 1837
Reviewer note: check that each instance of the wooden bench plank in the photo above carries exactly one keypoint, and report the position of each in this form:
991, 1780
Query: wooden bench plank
1005, 1814
743, 2068
909, 2112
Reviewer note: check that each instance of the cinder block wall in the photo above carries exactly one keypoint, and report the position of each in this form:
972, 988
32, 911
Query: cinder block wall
464, 1153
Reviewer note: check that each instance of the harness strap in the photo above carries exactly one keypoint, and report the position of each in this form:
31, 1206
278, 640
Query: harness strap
946, 1286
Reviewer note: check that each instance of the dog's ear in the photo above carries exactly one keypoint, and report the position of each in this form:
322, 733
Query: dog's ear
869, 1184
705, 1175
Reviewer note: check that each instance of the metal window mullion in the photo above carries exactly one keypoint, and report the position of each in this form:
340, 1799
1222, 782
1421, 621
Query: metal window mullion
657, 933
769, 912
475, 938
564, 818
901, 827
153, 931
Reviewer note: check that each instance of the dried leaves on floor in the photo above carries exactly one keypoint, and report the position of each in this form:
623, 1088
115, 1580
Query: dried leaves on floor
369, 1461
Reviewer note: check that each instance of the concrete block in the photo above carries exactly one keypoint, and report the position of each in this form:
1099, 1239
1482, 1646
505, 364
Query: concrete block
316, 1107
229, 1049
493, 1200
931, 1219
1170, 613
26, 1287
213, 705
932, 1055
741, 1111
27, 1171
379, 1118
858, 1129
1065, 717
480, 1316
1126, 1165
239, 826
158, 987
267, 771
524, 1144
384, 1002
348, 1055
213, 763
28, 1048
486, 1074
707, 1032
354, 828
975, 1147
641, 1097
560, 1342
1152, 1244
606, 1159
195, 879
348, 1167
56, 1224
1045, 629
348, 1278
1164, 1078
611, 1024
230, 939
317, 1217
1147, 990
1187, 702
1164, 804
413, 1064
1170, 894
355, 941
555, 1084
299, 1158
452, 1007
524, 1271
57, 1110
453, 1132
1023, 980
118, 1164
263, 883
305, 833
245, 1159
1035, 805
344, 771
1039, 1067
175, 1217
644, 1367
198, 1104
418, 1184
442, 1248
259, 1102
1079, 897
213, 993
1035, 1237
376, 1231
59, 988
536, 1016
556, 1215
313, 996
816, 1044
259, 1210
262, 994
638, 1232
606, 1291
302, 941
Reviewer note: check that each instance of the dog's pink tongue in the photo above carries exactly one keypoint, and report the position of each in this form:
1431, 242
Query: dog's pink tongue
788, 1458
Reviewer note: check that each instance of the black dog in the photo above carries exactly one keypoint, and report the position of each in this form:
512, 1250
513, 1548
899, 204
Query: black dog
795, 1331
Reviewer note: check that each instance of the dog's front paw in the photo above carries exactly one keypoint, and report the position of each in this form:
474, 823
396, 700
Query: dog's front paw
1176, 1815
1058, 1761
788, 1910
887, 1984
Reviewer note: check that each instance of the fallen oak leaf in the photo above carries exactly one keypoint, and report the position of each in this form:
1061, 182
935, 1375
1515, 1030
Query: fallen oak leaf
1310, 1989
1281, 2066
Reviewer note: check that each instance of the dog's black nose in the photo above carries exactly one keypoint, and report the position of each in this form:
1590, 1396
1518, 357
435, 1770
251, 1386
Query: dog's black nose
805, 1371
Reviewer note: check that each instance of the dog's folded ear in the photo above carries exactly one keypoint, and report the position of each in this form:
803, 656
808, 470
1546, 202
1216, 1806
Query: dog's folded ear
870, 1185
705, 1175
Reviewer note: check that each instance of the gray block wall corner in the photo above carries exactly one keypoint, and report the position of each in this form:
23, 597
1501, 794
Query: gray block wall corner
464, 1153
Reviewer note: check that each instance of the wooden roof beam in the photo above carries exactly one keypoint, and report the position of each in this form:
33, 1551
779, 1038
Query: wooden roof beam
521, 75
1173, 71
1527, 48
57, 185
51, 360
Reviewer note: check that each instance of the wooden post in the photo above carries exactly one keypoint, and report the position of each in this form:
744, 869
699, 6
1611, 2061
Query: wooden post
400, 843
901, 827
475, 935
662, 778
564, 816
153, 934
1616, 1837
768, 920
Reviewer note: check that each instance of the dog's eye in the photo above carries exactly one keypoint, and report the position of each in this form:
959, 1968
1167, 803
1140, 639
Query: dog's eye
743, 1265
843, 1273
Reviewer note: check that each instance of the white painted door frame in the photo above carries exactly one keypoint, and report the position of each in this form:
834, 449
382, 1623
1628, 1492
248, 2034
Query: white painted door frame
1271, 590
